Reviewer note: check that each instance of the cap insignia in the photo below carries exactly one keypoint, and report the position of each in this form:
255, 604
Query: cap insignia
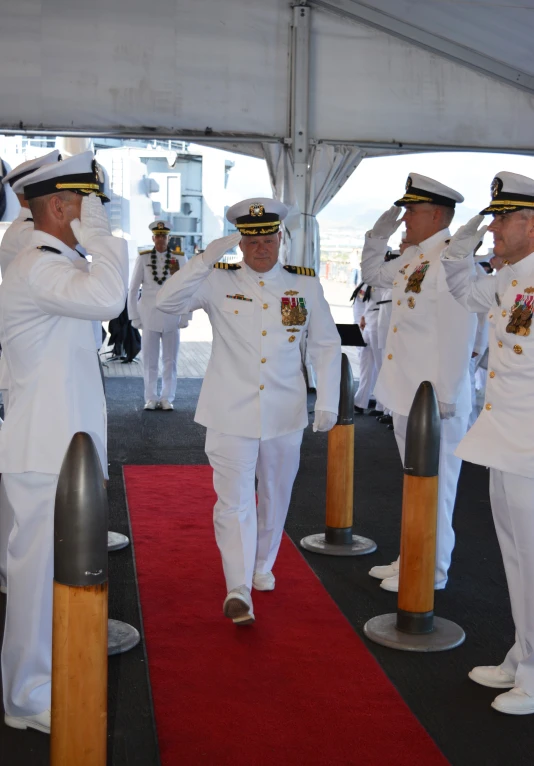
496, 186
408, 184
99, 173
256, 210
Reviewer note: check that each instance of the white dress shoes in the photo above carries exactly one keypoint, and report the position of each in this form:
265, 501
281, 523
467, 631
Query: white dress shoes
238, 606
263, 581
389, 570
514, 702
150, 405
40, 722
166, 405
493, 676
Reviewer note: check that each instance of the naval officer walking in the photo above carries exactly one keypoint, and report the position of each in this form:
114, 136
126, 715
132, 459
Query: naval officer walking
253, 399
430, 338
47, 301
502, 437
152, 269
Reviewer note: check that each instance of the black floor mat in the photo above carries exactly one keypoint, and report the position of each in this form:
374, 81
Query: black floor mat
454, 710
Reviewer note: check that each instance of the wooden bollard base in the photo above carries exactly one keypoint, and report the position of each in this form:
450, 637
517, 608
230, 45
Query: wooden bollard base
79, 648
337, 539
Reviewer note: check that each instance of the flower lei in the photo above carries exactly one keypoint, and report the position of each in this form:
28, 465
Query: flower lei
154, 266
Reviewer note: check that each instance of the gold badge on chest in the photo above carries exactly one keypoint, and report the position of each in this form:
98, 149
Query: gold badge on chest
293, 310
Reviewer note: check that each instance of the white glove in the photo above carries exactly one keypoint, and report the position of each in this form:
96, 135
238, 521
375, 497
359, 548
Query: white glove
137, 324
324, 420
387, 224
446, 411
466, 239
94, 221
216, 249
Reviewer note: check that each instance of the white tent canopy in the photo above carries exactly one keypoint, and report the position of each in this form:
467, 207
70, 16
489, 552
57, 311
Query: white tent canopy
394, 75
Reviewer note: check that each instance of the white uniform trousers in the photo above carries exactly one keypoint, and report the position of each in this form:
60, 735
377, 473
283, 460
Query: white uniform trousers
452, 432
170, 342
512, 504
6, 525
27, 647
370, 364
249, 536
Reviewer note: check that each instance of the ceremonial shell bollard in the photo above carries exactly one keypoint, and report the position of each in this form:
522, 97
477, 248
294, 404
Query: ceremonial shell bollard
414, 627
337, 539
80, 621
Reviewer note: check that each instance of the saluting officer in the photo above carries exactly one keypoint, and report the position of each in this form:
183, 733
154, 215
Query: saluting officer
430, 338
153, 267
502, 437
16, 238
47, 300
253, 399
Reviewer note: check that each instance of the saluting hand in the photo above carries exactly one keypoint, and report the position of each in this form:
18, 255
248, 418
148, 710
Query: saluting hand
387, 224
93, 221
466, 239
216, 249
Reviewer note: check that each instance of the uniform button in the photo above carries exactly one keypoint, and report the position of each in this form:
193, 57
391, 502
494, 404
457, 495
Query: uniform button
405, 278
421, 256
262, 387
236, 312
265, 305
390, 356
261, 284
518, 350
395, 283
263, 360
264, 332
488, 406
514, 282
398, 303
503, 313
499, 344
492, 374
394, 329
490, 316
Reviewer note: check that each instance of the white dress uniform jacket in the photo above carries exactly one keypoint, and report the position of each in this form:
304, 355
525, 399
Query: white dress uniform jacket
502, 436
254, 385
430, 336
16, 238
48, 343
144, 308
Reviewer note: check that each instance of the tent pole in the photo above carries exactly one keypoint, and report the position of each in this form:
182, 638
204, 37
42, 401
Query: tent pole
299, 113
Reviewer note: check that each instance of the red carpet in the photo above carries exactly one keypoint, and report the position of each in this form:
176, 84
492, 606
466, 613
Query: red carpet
266, 695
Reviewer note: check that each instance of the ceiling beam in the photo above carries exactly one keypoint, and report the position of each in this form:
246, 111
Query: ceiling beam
365, 14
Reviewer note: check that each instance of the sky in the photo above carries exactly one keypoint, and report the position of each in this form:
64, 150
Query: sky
378, 182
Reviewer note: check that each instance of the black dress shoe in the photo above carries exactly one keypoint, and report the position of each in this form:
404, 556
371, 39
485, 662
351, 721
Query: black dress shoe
387, 420
390, 427
371, 403
376, 413
358, 410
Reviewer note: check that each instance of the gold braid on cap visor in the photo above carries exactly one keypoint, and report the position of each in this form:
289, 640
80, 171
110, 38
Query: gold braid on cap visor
415, 198
250, 229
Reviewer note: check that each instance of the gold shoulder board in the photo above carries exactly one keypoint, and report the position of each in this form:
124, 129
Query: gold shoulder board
302, 270
227, 266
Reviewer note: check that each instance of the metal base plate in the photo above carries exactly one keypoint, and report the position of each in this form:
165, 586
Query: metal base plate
121, 637
317, 544
116, 541
383, 630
